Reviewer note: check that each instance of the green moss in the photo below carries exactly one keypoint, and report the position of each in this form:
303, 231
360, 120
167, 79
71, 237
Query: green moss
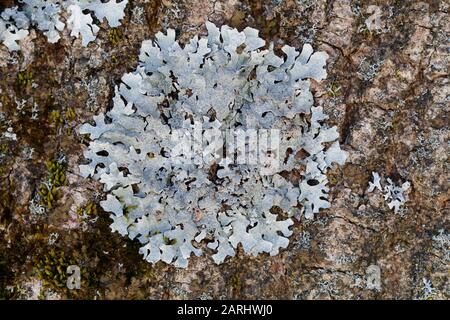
56, 118
56, 177
4, 148
52, 268
70, 114
115, 36
114, 60
90, 209
40, 233
49, 195
24, 79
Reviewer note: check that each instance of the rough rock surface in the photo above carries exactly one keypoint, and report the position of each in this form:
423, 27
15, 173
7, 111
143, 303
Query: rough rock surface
387, 90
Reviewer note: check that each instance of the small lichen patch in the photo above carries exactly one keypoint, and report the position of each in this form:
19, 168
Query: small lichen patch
394, 195
46, 16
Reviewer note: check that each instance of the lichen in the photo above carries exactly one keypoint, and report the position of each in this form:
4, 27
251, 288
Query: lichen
169, 201
46, 16
394, 195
